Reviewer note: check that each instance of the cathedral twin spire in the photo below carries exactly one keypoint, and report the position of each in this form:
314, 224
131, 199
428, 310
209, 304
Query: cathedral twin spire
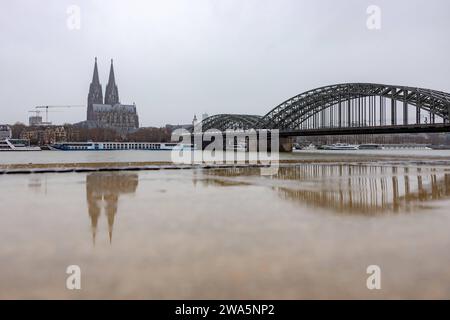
111, 93
95, 78
95, 95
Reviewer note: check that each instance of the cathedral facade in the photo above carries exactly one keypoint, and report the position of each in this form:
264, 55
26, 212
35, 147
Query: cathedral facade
109, 113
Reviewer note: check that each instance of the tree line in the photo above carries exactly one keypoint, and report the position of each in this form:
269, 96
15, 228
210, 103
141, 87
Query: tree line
39, 135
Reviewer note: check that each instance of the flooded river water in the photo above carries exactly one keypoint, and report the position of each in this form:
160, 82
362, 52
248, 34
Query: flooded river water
309, 231
44, 157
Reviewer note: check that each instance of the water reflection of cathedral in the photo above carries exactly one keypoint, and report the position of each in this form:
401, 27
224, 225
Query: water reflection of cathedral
102, 192
347, 188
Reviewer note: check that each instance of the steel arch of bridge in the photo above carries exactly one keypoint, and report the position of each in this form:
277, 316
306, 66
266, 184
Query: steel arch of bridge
223, 122
292, 114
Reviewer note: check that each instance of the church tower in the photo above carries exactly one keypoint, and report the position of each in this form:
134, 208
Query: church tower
111, 93
95, 95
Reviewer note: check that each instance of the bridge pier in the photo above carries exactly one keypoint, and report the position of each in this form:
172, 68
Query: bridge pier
286, 144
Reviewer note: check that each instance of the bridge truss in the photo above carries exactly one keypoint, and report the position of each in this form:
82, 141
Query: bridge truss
353, 108
222, 122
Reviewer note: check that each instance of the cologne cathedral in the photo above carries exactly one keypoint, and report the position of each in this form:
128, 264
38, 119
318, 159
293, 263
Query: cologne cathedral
109, 113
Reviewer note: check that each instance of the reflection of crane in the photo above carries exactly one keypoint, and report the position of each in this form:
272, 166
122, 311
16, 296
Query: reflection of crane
47, 107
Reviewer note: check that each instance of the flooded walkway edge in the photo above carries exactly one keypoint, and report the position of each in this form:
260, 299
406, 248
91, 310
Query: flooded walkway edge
37, 168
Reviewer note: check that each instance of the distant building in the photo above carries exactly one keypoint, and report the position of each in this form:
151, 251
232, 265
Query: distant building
189, 127
35, 120
5, 132
43, 135
173, 127
109, 113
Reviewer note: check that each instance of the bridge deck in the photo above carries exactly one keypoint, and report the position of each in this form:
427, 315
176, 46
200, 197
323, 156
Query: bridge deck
412, 128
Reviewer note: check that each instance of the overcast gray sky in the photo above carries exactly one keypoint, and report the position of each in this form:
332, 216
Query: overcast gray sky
175, 58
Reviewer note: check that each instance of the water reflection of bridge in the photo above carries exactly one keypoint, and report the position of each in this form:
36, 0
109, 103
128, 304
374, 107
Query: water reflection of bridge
348, 188
103, 191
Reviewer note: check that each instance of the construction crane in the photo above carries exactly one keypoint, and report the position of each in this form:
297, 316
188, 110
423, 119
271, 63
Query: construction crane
66, 106
37, 112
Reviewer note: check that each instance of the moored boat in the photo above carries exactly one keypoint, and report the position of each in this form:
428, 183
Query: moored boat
341, 146
17, 145
370, 146
114, 146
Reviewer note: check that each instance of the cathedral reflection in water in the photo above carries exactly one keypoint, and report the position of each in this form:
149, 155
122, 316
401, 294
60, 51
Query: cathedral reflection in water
103, 191
340, 188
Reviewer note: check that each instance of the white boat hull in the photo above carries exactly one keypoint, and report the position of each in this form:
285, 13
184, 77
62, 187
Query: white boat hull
16, 145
